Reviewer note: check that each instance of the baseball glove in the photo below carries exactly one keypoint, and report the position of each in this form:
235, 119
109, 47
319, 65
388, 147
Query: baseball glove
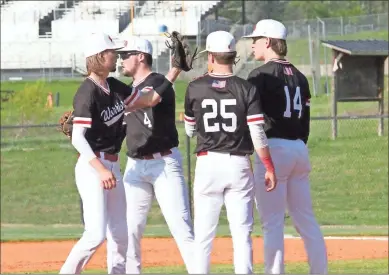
182, 58
66, 123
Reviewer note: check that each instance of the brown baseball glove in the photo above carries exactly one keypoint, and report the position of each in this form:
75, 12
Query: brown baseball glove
182, 57
66, 123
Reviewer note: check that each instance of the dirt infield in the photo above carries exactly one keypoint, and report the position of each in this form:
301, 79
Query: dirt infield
47, 256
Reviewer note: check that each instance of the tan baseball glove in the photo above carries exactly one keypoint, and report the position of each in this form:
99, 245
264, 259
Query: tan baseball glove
66, 123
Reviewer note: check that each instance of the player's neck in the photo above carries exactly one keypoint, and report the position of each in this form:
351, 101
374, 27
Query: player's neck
141, 74
222, 70
99, 78
273, 55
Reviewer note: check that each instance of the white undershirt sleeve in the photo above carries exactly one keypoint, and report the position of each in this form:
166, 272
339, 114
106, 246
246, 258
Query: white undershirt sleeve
190, 125
81, 144
258, 136
189, 129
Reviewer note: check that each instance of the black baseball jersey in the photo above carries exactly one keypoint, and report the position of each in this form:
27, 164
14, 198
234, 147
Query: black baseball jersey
221, 108
152, 130
285, 97
101, 111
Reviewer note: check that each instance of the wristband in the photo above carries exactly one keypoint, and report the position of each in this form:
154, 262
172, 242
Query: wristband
166, 84
268, 163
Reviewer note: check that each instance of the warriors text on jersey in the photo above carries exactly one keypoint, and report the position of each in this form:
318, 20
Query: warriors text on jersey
152, 130
285, 98
101, 111
221, 108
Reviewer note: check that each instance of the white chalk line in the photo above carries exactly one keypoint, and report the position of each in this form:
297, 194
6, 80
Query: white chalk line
360, 238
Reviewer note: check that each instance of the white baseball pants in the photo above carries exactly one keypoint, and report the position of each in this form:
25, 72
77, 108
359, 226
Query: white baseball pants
292, 166
162, 177
221, 178
104, 214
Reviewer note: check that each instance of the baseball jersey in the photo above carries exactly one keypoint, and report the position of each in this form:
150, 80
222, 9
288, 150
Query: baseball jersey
221, 108
101, 111
153, 129
285, 97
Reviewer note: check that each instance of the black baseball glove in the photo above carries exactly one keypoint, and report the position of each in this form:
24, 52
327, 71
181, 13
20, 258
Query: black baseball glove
182, 58
66, 123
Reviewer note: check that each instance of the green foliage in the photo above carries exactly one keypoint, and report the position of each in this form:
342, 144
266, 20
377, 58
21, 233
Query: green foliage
31, 101
296, 10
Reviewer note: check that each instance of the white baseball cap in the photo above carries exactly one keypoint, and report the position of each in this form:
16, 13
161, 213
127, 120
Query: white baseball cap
269, 28
220, 42
99, 42
137, 44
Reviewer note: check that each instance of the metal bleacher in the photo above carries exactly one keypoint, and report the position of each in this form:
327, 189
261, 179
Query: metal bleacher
23, 48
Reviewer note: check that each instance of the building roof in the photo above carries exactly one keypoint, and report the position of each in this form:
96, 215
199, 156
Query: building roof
359, 47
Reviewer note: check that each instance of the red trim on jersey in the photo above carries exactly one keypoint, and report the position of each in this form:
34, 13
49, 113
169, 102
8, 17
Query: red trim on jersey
255, 119
280, 61
82, 122
105, 90
189, 120
131, 97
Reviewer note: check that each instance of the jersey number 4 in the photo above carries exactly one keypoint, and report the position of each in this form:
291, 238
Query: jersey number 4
297, 106
147, 121
223, 113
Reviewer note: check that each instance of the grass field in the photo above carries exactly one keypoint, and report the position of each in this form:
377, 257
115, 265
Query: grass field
349, 177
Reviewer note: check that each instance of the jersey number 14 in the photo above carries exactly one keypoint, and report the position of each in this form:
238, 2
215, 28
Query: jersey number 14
223, 113
297, 106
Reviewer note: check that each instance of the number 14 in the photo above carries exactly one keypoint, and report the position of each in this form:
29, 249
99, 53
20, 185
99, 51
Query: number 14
297, 106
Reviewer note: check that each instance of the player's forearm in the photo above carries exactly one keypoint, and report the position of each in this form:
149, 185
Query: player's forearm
173, 74
144, 99
306, 123
259, 139
264, 155
150, 96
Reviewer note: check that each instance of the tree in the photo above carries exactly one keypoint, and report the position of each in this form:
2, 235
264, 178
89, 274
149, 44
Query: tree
258, 10
31, 103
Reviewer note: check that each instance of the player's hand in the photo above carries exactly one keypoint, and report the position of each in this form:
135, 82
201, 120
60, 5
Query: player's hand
270, 181
108, 180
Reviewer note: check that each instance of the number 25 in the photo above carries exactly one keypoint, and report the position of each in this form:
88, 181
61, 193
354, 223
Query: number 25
223, 113
297, 106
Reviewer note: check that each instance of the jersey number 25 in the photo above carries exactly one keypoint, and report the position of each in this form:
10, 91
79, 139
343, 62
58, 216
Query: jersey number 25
223, 113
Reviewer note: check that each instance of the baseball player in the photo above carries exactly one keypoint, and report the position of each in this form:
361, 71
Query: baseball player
97, 135
154, 164
285, 97
225, 113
